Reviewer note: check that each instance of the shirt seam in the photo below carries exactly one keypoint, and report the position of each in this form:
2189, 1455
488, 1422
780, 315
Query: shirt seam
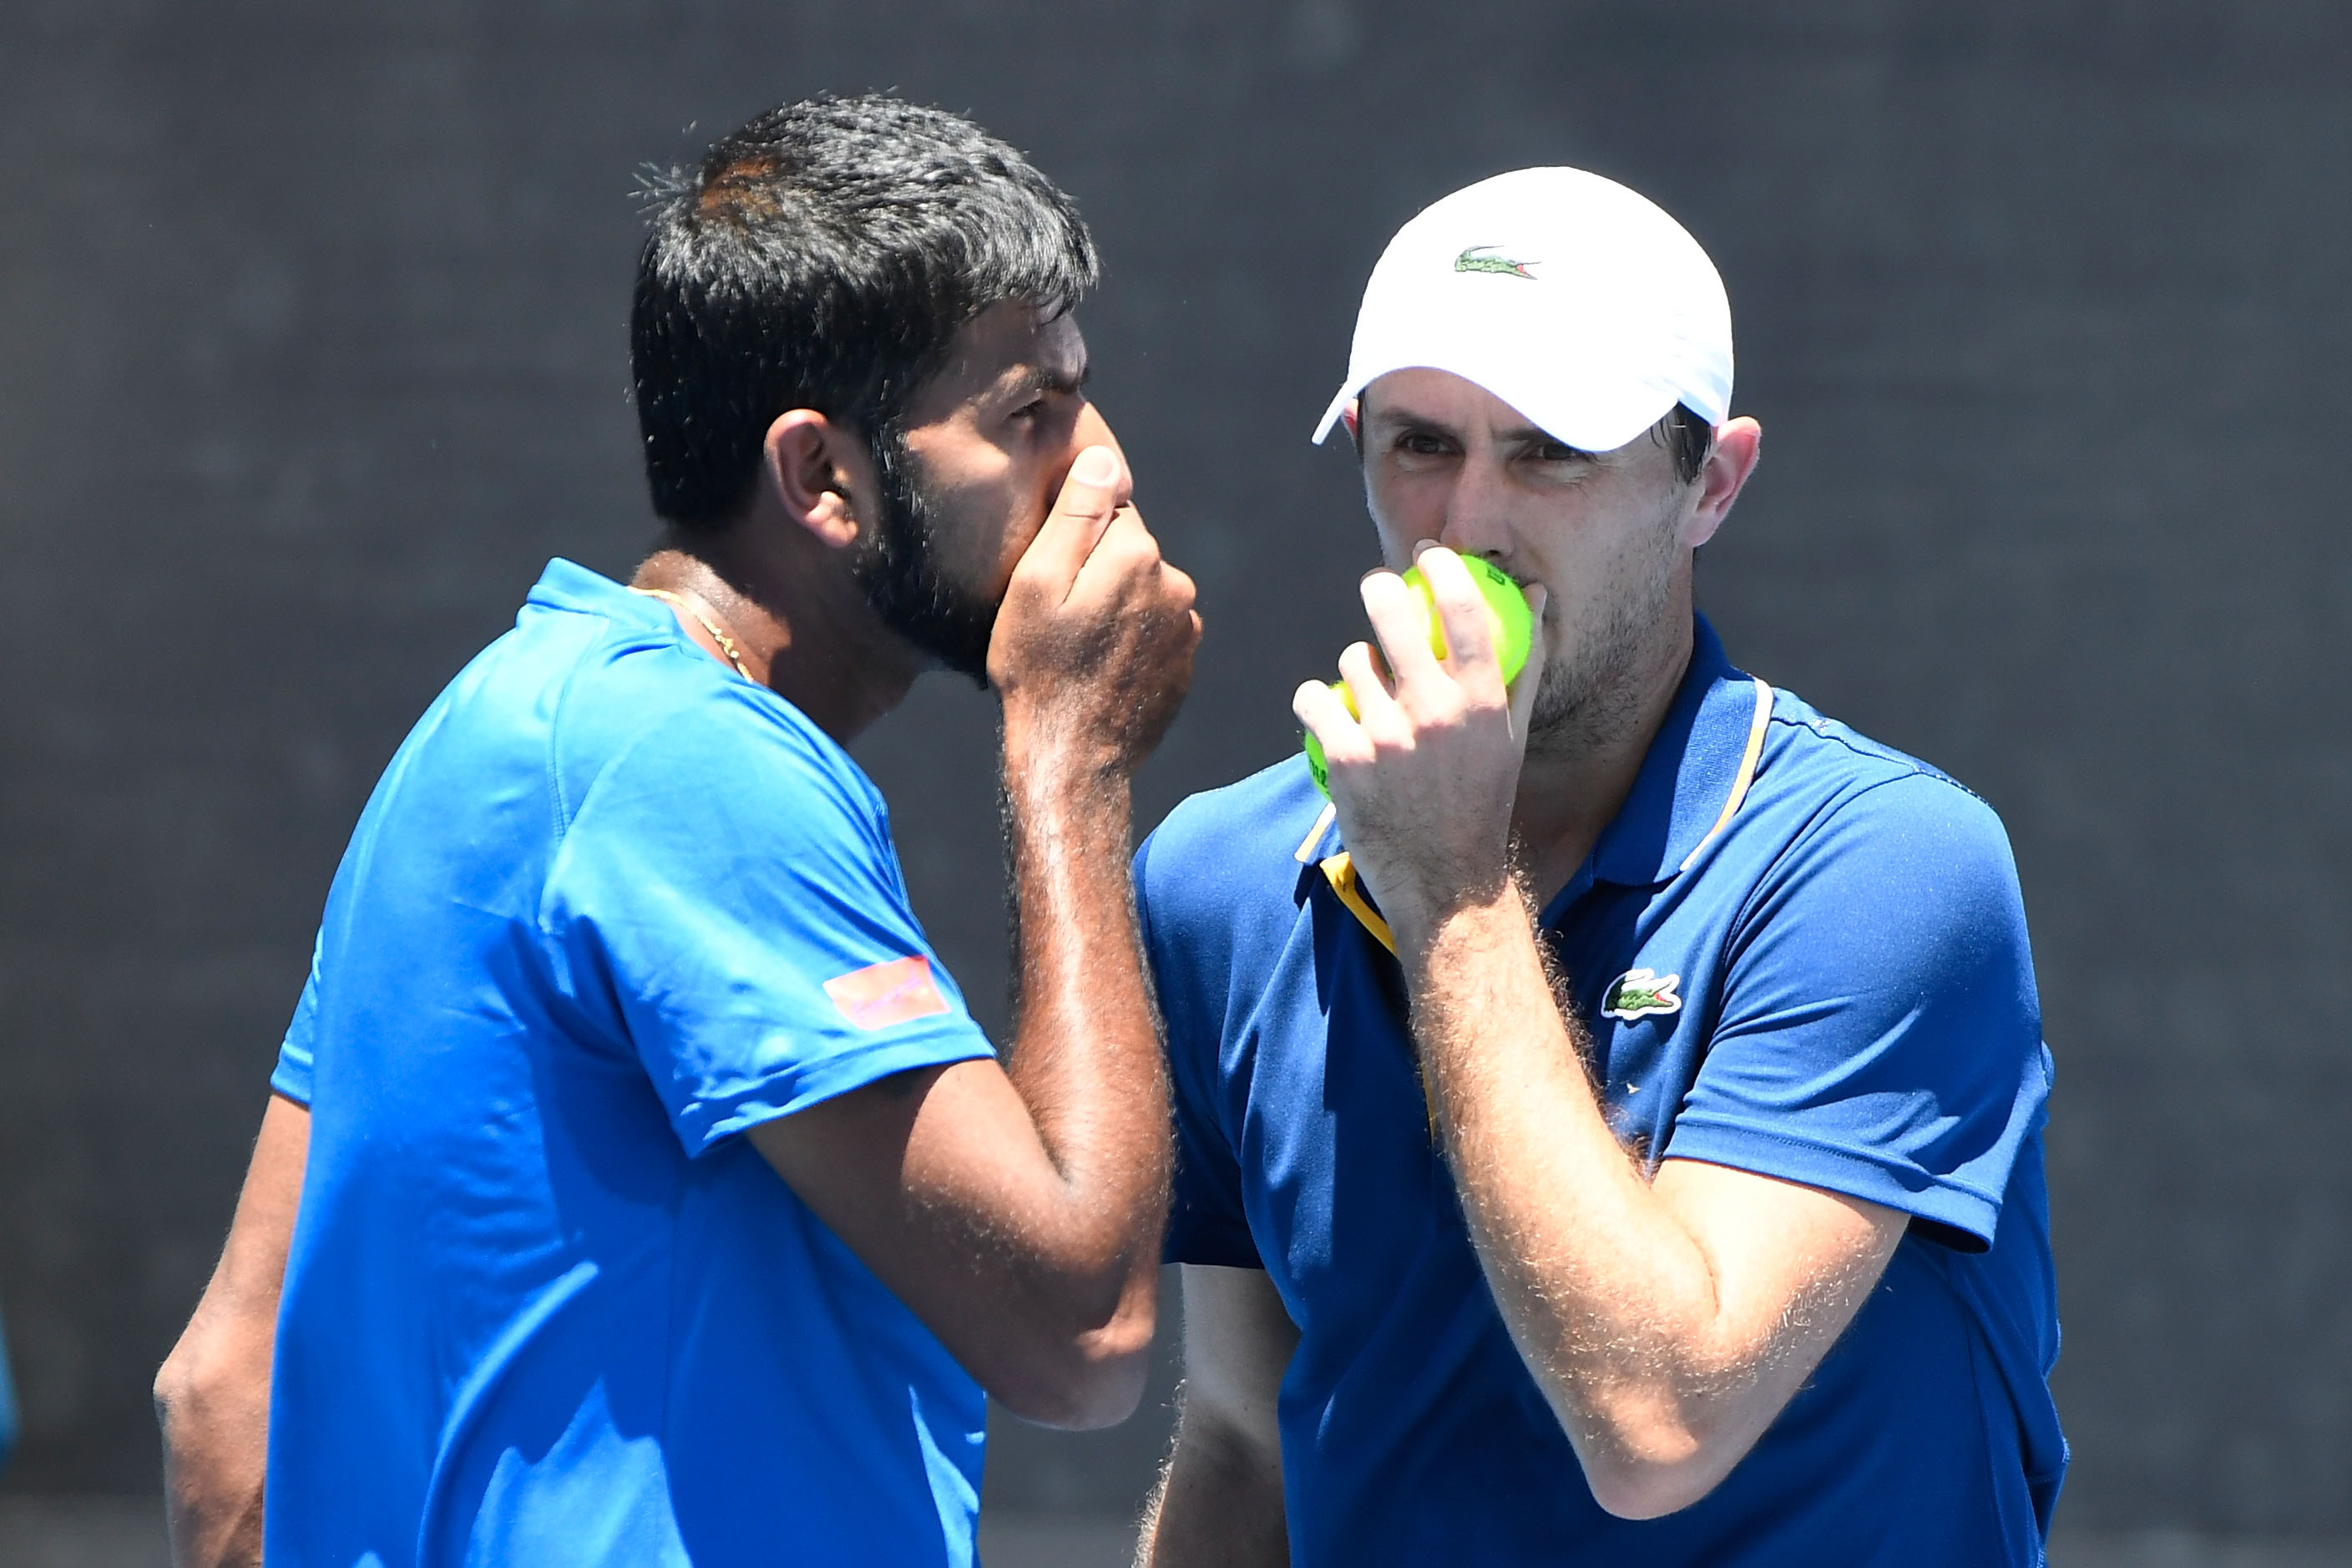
1915, 767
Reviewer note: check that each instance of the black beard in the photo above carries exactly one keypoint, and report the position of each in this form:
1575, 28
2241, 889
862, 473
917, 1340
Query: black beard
898, 565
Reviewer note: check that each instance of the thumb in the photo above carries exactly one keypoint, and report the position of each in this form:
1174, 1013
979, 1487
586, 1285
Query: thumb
1097, 485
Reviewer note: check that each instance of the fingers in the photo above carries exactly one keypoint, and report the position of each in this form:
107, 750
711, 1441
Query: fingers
1462, 613
1127, 577
1368, 698
1096, 489
1124, 546
1173, 594
1324, 713
1395, 614
1465, 623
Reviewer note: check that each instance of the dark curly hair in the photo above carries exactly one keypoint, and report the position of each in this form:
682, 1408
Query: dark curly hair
824, 256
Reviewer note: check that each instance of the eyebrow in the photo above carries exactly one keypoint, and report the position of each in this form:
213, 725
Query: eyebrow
1518, 435
1047, 378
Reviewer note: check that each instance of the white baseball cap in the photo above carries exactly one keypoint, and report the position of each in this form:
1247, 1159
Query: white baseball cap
1570, 298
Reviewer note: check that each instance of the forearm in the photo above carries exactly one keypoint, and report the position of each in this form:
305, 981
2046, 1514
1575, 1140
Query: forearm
1218, 1506
1086, 1053
1017, 1206
1090, 656
1668, 1318
212, 1395
212, 1401
1078, 1288
1612, 1302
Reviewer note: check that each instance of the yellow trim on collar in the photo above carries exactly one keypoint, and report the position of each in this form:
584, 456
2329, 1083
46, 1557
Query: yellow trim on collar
1341, 872
1304, 853
1746, 776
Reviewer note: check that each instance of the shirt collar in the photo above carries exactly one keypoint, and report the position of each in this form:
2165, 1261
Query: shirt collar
1694, 775
567, 585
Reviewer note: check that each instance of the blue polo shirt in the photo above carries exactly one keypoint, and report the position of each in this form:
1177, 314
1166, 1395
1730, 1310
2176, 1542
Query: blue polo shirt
1798, 952
610, 905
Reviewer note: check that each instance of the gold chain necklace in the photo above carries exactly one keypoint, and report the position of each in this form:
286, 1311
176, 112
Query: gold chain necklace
725, 643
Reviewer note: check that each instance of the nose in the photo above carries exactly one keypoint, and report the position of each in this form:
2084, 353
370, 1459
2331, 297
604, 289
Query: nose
1477, 510
1089, 429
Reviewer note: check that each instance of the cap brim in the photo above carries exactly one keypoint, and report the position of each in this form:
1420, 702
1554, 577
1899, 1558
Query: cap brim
1598, 421
1331, 415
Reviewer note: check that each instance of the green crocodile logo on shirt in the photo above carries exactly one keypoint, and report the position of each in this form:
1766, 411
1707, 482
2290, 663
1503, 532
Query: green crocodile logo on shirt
1639, 993
1477, 259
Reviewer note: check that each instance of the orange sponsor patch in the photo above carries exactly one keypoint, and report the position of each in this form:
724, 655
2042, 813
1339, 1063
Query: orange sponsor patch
881, 994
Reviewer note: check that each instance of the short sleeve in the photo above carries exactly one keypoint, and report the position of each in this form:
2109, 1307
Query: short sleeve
727, 892
291, 1078
1205, 1220
1879, 1032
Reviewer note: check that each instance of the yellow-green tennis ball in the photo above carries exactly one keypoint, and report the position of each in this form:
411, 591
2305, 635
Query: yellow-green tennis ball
1512, 626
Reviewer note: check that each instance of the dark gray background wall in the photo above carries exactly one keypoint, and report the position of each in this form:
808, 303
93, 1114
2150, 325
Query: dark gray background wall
312, 352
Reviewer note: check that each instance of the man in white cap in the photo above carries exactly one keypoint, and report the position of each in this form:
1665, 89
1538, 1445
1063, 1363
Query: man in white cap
1610, 1130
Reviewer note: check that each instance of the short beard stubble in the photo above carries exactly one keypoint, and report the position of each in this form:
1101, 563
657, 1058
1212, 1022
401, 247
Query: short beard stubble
1593, 697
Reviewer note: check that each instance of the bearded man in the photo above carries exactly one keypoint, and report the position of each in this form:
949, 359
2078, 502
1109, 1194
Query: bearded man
1610, 1130
639, 1188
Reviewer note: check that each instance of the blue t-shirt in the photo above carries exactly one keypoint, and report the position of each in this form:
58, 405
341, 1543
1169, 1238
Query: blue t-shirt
7, 1404
610, 904
1798, 953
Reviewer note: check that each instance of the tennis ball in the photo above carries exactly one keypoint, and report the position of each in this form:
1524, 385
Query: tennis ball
1508, 620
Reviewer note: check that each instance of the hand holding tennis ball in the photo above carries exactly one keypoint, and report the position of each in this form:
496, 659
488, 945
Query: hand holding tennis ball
1508, 617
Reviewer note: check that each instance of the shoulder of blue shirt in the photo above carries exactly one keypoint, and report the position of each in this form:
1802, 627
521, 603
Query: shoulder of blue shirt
1891, 823
1853, 832
677, 698
1224, 881
1224, 870
1252, 846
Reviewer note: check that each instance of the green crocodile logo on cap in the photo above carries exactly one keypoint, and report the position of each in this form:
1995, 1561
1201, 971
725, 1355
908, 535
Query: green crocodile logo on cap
1477, 259
1639, 993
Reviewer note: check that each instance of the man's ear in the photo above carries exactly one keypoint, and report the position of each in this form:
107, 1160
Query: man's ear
1352, 417
810, 467
1738, 443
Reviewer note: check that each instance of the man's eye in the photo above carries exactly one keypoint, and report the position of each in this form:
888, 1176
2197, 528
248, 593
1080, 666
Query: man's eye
1030, 410
1556, 452
1421, 444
